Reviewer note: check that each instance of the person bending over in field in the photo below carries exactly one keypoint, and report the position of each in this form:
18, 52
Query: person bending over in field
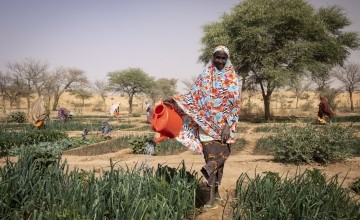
325, 113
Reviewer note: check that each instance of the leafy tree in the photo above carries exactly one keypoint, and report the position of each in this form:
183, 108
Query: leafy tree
349, 75
66, 79
81, 94
273, 40
130, 81
320, 75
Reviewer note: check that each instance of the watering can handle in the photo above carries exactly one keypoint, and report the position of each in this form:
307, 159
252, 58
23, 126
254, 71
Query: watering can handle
160, 138
168, 104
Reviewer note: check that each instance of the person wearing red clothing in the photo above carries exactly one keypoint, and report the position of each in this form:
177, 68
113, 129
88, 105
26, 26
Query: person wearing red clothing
325, 111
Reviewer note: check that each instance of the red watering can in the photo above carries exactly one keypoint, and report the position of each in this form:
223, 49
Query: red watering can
165, 121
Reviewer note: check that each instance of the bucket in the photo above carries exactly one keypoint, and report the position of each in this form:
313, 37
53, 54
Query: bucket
166, 121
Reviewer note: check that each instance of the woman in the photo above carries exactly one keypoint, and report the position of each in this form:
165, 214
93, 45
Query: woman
38, 112
210, 115
324, 110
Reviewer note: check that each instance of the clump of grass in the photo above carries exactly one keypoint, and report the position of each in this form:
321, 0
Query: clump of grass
308, 195
238, 145
356, 186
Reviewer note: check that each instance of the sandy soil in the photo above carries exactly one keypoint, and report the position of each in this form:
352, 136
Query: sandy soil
244, 161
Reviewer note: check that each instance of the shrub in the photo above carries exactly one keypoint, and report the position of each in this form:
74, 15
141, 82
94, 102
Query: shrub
322, 144
356, 186
19, 117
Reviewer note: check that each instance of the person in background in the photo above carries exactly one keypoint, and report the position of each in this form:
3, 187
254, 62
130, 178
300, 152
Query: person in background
148, 110
85, 133
210, 115
325, 111
64, 114
39, 113
105, 129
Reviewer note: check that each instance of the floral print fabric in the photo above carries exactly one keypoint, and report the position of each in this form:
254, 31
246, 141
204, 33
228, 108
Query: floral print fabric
213, 101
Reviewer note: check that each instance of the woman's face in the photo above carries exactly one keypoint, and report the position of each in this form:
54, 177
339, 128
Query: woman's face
219, 59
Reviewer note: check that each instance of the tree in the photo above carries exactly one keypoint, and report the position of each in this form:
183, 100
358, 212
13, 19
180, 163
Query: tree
32, 72
299, 86
130, 81
81, 94
349, 75
321, 76
272, 40
102, 88
66, 79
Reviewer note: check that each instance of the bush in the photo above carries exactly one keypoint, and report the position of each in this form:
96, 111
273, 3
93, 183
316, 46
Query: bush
322, 144
356, 186
19, 117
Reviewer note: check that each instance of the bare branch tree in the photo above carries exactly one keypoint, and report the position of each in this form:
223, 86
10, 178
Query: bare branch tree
65, 79
299, 86
349, 75
102, 88
32, 72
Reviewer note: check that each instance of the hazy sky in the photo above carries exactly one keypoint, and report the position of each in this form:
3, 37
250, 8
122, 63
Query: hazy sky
162, 37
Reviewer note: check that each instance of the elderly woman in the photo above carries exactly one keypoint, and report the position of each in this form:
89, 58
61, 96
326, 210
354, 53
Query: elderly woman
210, 115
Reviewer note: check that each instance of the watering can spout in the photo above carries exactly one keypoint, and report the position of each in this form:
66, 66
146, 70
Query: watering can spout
166, 121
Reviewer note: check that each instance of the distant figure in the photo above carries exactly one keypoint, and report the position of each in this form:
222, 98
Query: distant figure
325, 111
85, 133
105, 128
64, 114
148, 110
115, 110
38, 112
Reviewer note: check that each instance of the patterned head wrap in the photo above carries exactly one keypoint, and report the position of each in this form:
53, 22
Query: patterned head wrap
223, 49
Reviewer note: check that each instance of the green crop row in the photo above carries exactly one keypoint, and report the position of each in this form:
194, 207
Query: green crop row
308, 195
39, 186
10, 140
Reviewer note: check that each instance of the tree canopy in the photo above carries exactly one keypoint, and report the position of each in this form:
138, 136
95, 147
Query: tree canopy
273, 41
130, 81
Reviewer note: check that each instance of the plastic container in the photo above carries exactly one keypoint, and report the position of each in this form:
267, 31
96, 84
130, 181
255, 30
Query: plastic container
166, 121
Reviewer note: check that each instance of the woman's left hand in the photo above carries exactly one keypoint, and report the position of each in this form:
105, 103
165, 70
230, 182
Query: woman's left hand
225, 133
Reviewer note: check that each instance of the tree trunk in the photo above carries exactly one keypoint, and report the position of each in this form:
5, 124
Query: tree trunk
4, 104
351, 101
266, 97
104, 104
56, 102
297, 102
28, 105
267, 106
130, 103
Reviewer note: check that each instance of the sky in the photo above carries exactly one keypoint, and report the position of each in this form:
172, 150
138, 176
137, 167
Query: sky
162, 37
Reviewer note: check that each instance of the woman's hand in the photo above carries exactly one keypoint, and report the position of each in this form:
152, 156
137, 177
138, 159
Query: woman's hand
225, 133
